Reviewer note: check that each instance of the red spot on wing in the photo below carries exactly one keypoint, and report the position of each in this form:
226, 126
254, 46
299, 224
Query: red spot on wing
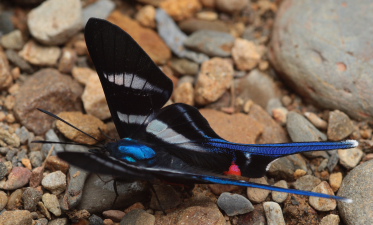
233, 170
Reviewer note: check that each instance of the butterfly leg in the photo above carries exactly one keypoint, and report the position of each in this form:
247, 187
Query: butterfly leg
157, 198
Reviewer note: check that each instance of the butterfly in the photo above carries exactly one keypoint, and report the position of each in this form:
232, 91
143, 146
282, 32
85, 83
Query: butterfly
173, 143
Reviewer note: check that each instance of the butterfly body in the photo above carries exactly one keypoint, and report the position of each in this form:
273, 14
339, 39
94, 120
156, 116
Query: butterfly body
174, 143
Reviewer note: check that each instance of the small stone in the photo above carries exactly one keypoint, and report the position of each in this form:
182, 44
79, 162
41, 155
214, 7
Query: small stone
5, 75
87, 123
184, 67
55, 21
3, 200
36, 176
307, 183
52, 204
44, 210
23, 134
82, 74
8, 139
340, 126
146, 16
15, 200
231, 6
330, 219
299, 173
18, 61
95, 220
137, 216
207, 15
273, 213
280, 197
315, 120
31, 197
115, 215
18, 177
36, 158
26, 163
184, 93
53, 163
98, 9
67, 60
50, 90
280, 115
349, 158
214, 79
211, 43
245, 54
255, 194
181, 9
55, 182
167, 195
234, 204
94, 99
40, 55
60, 221
16, 217
13, 40
323, 204
335, 181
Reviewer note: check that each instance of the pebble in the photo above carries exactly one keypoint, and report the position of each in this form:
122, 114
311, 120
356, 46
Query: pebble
255, 194
231, 6
44, 210
184, 93
8, 139
99, 9
51, 203
184, 67
167, 195
6, 21
280, 115
3, 200
357, 185
207, 15
273, 213
335, 181
316, 120
82, 74
307, 183
51, 136
192, 25
211, 43
330, 219
18, 61
245, 54
175, 38
147, 38
53, 163
181, 9
40, 55
349, 158
95, 220
214, 79
42, 21
340, 126
323, 204
59, 221
16, 217
257, 216
15, 200
67, 60
46, 89
257, 86
94, 99
234, 204
115, 215
146, 16
87, 123
5, 75
280, 197
31, 197
13, 40
55, 182
18, 177
3, 170
36, 176
330, 75
23, 134
138, 216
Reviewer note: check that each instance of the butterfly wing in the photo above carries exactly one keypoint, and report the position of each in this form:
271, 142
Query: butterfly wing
133, 84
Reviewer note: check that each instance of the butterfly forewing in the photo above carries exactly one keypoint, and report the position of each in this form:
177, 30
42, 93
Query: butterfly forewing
134, 86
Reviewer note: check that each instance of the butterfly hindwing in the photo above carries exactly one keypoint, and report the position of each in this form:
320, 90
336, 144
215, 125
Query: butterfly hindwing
133, 84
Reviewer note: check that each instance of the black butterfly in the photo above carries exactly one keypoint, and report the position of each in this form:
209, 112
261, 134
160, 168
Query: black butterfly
174, 143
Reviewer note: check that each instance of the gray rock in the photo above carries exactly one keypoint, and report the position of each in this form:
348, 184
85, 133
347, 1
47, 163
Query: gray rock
307, 183
184, 67
137, 216
273, 213
349, 158
3, 170
6, 22
100, 9
55, 182
55, 21
358, 186
211, 43
19, 61
340, 126
258, 86
322, 61
175, 38
13, 40
31, 197
36, 159
23, 134
51, 136
234, 204
280, 197
95, 220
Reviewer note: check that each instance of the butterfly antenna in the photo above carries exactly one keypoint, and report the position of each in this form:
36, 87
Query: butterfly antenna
64, 143
64, 121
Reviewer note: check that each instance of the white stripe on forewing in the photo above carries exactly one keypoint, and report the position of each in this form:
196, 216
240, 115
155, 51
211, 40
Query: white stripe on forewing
131, 81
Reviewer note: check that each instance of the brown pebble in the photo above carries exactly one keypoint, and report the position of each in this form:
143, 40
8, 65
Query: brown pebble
54, 163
